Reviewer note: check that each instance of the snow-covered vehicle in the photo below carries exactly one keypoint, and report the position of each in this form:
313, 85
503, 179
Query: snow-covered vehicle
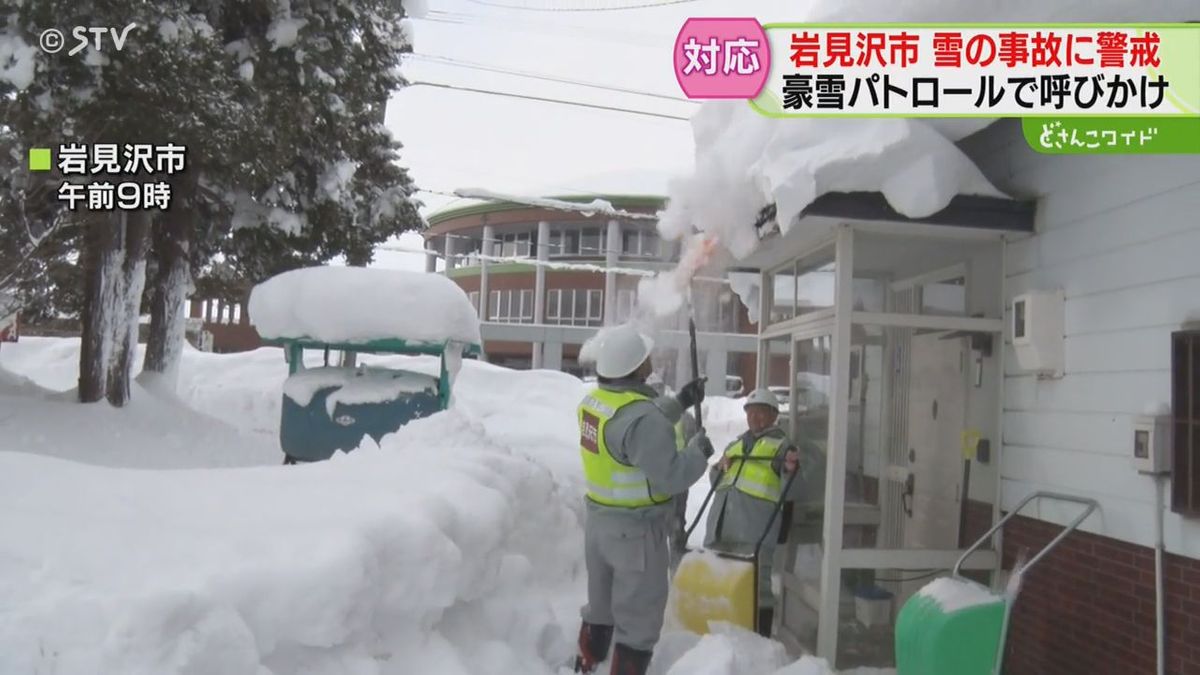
354, 310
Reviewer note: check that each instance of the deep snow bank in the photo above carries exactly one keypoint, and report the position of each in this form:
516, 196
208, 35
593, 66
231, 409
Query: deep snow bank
518, 409
435, 554
39, 414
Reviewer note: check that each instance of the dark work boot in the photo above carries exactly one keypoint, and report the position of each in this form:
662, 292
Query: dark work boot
765, 618
594, 640
629, 661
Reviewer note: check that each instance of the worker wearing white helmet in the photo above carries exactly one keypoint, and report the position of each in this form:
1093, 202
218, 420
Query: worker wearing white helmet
749, 482
633, 469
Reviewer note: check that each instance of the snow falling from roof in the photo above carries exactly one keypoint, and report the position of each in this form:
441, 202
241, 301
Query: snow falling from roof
745, 162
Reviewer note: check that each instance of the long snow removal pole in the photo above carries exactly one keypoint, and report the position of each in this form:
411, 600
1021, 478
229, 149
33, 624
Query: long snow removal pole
695, 358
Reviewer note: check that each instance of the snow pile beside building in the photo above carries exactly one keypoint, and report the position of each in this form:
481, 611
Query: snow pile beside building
518, 409
39, 414
731, 651
440, 552
339, 304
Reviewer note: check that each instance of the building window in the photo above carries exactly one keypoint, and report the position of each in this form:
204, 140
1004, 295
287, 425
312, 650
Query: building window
564, 241
638, 242
1185, 413
625, 301
494, 306
474, 296
516, 245
574, 307
526, 313
511, 306
595, 303
726, 312
590, 243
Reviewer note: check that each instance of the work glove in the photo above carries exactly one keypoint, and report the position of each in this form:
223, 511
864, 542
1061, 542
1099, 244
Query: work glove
700, 442
691, 393
791, 461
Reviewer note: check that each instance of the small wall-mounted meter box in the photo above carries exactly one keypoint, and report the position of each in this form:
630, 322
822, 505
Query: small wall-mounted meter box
1152, 444
1037, 329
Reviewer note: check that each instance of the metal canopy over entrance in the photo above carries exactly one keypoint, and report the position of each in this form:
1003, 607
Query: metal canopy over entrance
886, 335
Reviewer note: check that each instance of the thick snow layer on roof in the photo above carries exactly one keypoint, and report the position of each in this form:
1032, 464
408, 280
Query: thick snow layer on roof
746, 161
596, 206
357, 304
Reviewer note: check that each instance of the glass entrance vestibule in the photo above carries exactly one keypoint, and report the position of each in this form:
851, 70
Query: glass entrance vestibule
885, 340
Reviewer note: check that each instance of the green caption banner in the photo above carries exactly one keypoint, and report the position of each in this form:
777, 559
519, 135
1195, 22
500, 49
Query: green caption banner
1112, 135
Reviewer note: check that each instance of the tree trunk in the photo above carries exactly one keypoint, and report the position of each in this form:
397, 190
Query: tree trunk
103, 256
170, 287
129, 306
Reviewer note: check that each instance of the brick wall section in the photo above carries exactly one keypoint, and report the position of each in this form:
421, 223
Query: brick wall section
1088, 607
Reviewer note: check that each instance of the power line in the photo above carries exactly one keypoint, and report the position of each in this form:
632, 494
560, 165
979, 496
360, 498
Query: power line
644, 5
545, 99
548, 78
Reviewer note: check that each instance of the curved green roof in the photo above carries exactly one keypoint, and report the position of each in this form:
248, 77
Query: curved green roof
650, 201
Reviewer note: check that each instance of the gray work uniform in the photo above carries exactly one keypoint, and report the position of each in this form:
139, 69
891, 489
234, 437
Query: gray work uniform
625, 549
736, 520
678, 534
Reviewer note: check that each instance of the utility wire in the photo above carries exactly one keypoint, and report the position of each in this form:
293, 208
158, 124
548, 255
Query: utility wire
545, 99
549, 78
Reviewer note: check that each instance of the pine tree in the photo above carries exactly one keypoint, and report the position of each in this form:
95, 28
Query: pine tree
280, 107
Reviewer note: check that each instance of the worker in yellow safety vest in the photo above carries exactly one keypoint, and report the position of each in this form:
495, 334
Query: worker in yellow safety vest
633, 469
685, 428
749, 482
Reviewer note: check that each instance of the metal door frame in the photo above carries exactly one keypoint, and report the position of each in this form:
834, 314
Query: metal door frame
838, 323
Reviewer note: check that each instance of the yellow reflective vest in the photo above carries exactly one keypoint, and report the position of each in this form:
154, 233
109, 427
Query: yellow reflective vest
754, 477
609, 481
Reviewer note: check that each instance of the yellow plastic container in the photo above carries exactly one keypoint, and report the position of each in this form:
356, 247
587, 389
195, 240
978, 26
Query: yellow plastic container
711, 587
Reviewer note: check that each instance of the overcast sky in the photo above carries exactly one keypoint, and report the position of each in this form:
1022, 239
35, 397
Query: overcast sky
456, 139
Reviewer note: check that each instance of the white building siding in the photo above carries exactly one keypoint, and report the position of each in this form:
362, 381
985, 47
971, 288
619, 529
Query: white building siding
1121, 237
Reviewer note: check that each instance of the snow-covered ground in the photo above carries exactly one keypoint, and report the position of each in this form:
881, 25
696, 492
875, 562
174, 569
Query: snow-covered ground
453, 548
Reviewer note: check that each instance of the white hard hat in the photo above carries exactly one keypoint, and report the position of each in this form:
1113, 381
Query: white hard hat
622, 350
762, 397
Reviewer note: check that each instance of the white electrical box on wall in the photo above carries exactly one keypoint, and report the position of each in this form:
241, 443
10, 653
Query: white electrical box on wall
1037, 328
1151, 444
